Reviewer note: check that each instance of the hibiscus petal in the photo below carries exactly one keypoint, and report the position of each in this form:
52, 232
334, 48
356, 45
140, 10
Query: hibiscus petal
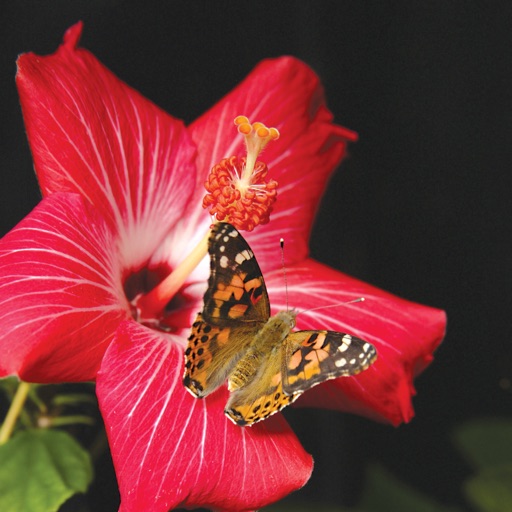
287, 94
61, 294
92, 134
404, 333
171, 449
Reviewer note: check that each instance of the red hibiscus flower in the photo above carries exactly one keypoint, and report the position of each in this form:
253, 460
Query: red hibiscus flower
122, 186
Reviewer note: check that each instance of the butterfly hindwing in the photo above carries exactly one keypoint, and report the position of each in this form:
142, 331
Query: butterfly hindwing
246, 408
262, 396
313, 357
206, 345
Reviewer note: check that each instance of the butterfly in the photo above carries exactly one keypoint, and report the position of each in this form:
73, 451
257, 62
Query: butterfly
266, 363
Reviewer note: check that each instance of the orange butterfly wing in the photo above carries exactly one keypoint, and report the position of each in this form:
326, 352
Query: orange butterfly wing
235, 307
323, 355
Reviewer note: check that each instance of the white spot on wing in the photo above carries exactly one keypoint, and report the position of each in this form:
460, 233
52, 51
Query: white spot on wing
345, 343
243, 256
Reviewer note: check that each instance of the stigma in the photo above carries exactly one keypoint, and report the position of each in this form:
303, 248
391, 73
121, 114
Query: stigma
238, 191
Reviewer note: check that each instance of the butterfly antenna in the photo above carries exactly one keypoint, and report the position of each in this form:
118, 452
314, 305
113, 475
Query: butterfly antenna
281, 242
359, 299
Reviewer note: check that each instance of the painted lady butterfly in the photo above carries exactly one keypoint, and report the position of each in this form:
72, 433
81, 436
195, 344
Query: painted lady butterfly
267, 365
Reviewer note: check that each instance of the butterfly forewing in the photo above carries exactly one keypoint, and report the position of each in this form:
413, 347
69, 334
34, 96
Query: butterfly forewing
322, 355
236, 289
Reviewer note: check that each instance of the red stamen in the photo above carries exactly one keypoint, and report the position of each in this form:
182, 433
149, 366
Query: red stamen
237, 190
245, 209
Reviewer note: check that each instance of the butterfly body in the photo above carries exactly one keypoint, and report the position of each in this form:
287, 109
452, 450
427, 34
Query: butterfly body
263, 350
266, 363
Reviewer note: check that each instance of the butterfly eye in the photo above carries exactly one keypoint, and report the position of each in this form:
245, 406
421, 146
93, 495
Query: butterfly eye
291, 319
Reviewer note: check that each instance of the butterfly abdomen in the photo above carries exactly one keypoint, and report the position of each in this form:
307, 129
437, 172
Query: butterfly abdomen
245, 370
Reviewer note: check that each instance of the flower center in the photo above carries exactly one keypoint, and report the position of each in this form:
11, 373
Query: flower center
237, 190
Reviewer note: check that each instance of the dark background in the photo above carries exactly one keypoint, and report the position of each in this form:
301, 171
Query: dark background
421, 207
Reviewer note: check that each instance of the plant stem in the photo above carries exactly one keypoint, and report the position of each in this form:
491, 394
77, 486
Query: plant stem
76, 419
14, 411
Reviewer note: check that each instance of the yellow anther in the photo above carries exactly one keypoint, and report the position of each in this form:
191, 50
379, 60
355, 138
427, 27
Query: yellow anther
263, 132
245, 128
274, 133
257, 136
241, 120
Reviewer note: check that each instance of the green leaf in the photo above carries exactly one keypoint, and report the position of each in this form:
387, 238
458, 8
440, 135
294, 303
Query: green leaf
384, 492
491, 490
40, 469
486, 442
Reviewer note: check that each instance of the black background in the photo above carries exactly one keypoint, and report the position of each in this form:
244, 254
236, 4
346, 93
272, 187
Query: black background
421, 207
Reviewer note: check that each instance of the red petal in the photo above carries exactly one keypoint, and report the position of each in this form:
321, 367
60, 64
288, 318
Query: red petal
404, 333
61, 292
92, 134
286, 94
171, 449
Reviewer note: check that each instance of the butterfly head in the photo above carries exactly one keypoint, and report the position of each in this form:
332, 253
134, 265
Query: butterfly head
287, 317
